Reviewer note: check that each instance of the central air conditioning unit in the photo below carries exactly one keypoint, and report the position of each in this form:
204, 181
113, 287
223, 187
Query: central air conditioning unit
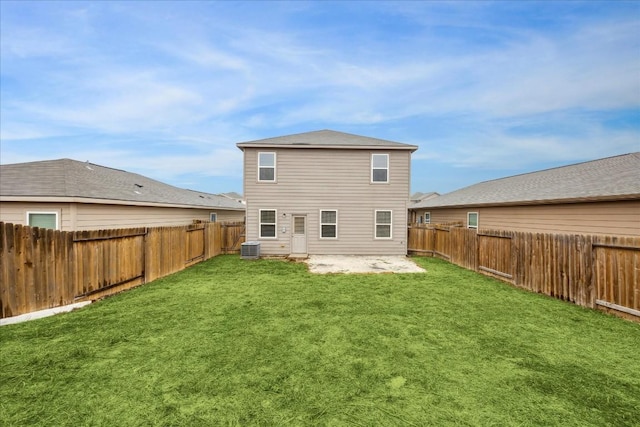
250, 250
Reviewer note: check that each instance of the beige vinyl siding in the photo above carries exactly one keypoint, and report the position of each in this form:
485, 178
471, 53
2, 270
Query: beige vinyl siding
16, 212
90, 217
612, 218
310, 180
79, 216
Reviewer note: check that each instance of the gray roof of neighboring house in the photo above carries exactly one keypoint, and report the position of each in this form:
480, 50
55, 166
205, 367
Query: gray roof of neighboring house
327, 139
418, 196
66, 178
232, 195
611, 178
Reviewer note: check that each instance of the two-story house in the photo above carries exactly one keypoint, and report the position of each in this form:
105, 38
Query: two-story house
327, 192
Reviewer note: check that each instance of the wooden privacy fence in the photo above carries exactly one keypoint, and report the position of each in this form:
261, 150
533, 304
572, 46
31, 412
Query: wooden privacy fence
588, 270
41, 268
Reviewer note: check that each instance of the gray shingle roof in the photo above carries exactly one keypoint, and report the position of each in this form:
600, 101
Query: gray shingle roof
326, 139
418, 196
65, 178
610, 178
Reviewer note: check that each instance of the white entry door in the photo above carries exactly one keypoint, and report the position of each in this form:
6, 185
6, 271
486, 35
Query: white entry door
299, 235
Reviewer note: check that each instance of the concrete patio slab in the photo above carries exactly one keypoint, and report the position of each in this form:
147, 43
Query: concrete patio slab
323, 264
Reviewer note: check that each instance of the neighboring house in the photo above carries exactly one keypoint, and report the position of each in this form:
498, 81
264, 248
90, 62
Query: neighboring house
327, 192
416, 198
70, 195
596, 197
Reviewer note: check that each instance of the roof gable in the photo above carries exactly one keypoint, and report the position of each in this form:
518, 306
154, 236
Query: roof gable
66, 178
610, 178
327, 139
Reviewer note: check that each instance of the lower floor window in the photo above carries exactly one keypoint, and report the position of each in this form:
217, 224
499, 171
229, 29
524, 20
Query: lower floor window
267, 223
383, 224
472, 220
43, 219
427, 217
213, 217
328, 224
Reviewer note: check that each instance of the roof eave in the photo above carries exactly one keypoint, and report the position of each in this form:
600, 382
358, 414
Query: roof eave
62, 199
411, 148
611, 198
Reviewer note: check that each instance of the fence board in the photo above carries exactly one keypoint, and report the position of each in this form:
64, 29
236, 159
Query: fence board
8, 258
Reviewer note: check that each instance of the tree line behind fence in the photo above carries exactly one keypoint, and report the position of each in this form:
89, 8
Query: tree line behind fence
42, 268
588, 270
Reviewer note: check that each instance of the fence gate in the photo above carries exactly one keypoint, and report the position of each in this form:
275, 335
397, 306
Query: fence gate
495, 254
233, 235
617, 275
195, 243
442, 242
106, 259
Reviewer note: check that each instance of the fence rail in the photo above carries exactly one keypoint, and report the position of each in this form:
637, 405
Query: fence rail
41, 268
588, 270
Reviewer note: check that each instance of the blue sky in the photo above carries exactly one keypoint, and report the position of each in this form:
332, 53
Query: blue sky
166, 89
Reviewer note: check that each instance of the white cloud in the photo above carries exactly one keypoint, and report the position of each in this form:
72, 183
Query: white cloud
204, 82
499, 150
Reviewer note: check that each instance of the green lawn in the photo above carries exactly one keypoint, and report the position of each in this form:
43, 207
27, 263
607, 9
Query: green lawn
232, 342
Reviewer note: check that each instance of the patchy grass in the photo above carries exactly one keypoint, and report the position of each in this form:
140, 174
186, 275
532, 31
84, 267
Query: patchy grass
232, 342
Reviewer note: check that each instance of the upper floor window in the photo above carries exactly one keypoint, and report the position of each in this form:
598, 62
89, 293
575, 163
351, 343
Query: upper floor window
383, 224
379, 168
328, 224
472, 219
43, 219
266, 167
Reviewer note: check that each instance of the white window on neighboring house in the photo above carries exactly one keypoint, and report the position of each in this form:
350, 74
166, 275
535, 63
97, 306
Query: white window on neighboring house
43, 219
472, 219
267, 167
427, 217
213, 217
380, 168
267, 224
329, 224
383, 224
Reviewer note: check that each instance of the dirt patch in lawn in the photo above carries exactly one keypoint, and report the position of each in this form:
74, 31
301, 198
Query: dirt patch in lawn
323, 264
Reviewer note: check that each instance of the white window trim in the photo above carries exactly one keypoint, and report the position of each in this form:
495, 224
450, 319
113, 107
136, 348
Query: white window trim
327, 223
275, 169
375, 225
425, 218
387, 168
213, 215
260, 223
477, 220
57, 214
